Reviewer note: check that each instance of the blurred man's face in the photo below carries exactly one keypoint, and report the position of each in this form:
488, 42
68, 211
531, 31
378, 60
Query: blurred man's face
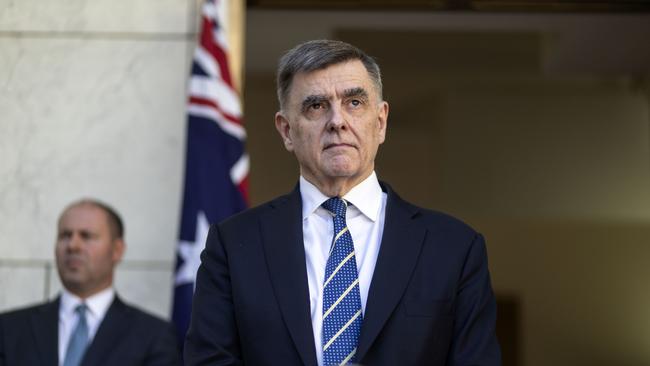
86, 252
334, 122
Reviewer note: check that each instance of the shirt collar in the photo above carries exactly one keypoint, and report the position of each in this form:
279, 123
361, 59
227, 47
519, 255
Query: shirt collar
365, 196
97, 304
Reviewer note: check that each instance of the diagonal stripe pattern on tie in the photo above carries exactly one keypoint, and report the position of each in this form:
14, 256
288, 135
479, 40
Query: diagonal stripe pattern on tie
342, 316
78, 339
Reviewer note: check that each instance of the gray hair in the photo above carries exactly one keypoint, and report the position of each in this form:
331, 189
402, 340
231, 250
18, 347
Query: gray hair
317, 55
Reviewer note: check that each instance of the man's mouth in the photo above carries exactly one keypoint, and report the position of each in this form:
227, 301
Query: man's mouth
337, 145
73, 262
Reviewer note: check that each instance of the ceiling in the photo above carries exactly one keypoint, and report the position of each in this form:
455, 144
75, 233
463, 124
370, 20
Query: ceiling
553, 43
464, 5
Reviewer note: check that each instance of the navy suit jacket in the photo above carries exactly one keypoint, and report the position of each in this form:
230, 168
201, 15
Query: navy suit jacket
430, 301
127, 336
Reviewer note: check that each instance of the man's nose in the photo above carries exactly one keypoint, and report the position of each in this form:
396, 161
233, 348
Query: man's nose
75, 242
338, 119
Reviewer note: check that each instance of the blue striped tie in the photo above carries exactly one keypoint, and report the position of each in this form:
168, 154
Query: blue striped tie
78, 339
342, 315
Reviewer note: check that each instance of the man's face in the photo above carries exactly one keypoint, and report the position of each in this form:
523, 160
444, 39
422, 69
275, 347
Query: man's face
333, 121
86, 252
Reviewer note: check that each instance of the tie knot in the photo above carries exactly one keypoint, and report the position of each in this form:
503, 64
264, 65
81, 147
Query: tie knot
336, 206
81, 309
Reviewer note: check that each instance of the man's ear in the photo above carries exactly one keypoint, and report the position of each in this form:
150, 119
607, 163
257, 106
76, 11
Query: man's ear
282, 125
118, 250
382, 120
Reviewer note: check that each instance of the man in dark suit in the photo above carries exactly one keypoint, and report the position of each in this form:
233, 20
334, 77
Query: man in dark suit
87, 324
341, 270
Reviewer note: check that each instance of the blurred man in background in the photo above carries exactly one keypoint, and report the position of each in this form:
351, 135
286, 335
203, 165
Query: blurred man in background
88, 324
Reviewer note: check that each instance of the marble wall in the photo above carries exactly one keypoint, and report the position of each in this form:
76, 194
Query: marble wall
92, 97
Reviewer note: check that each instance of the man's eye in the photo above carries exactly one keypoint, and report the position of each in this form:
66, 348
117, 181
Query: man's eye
316, 106
355, 102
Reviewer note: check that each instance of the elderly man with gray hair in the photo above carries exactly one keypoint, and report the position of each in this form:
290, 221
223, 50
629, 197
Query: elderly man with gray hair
341, 270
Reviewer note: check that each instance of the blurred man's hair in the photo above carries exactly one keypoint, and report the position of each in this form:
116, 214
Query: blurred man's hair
115, 224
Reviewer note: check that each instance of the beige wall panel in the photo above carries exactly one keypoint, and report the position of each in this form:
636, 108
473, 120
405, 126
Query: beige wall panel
147, 288
149, 16
100, 118
21, 284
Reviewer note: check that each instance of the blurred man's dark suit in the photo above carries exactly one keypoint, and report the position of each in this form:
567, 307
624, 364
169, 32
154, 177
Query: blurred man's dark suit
126, 336
430, 301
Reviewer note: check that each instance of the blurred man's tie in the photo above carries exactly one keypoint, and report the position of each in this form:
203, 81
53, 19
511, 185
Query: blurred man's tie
78, 339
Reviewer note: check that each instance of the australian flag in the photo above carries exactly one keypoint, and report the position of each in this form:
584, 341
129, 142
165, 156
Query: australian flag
216, 167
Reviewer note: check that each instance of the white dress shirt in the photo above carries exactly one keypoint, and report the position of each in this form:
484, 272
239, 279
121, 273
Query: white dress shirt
97, 306
365, 220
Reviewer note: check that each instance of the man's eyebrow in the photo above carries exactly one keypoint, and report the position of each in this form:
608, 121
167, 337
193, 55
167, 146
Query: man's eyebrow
355, 92
314, 99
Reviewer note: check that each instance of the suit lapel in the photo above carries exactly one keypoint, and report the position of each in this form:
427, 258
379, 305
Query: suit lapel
110, 332
45, 326
400, 247
285, 253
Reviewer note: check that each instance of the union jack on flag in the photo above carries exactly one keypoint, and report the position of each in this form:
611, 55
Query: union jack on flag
216, 166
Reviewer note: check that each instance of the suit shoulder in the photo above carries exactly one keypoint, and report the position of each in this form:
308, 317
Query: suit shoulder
444, 221
446, 230
433, 219
23, 313
147, 336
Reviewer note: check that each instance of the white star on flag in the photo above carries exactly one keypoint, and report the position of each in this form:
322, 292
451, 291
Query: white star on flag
191, 252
